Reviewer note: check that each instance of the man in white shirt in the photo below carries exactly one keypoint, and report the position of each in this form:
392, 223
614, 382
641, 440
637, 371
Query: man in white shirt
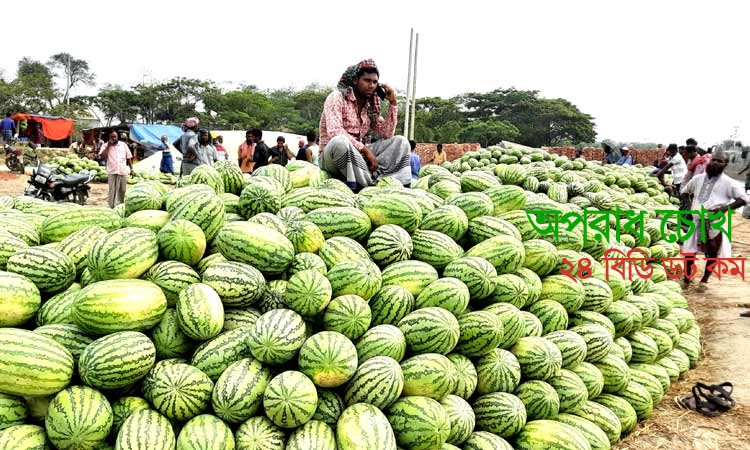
678, 165
715, 191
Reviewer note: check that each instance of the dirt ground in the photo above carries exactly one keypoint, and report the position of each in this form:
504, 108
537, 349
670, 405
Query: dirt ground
726, 357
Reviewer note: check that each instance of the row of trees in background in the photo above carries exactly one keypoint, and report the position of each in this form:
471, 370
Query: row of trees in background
503, 114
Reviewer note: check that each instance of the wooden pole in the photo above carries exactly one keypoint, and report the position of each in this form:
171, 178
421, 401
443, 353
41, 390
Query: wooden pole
408, 86
414, 90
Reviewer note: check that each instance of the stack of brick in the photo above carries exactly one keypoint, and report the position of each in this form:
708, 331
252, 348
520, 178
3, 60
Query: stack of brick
453, 151
640, 156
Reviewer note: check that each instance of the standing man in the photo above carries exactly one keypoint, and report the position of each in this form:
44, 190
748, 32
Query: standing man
312, 150
440, 156
8, 128
610, 157
747, 177
281, 153
245, 153
677, 164
302, 151
167, 163
414, 161
119, 164
717, 192
262, 153
221, 152
350, 112
205, 150
188, 146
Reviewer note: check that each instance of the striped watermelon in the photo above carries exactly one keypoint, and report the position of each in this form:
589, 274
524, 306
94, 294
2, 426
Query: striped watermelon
430, 330
308, 293
480, 333
551, 314
181, 240
290, 399
644, 348
172, 277
541, 257
205, 432
349, 315
50, 270
117, 360
477, 273
256, 245
461, 418
512, 320
124, 253
506, 198
571, 390
58, 308
393, 209
168, 338
204, 210
19, 299
482, 440
497, 371
124, 407
435, 248
414, 276
330, 406
533, 282
58, 226
79, 417
311, 199
305, 236
388, 244
271, 221
328, 358
68, 335
273, 297
149, 219
625, 317
23, 437
500, 413
341, 221
9, 244
550, 434
291, 214
258, 433
32, 364
569, 293
622, 409
238, 392
231, 175
539, 358
540, 399
466, 375
476, 181
362, 278
596, 437
207, 261
378, 382
598, 340
506, 253
650, 382
145, 430
639, 398
510, 288
474, 204
364, 426
78, 245
591, 376
381, 340
276, 336
208, 175
571, 345
118, 305
178, 391
419, 423
448, 293
531, 324
340, 249
602, 417
214, 356
14, 411
486, 227
390, 304
430, 375
582, 317
313, 434
307, 261
447, 219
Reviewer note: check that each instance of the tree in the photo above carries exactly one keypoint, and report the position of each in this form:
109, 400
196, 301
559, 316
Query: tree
119, 104
33, 90
489, 132
73, 71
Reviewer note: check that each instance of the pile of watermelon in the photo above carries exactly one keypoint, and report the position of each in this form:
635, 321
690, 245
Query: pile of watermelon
283, 311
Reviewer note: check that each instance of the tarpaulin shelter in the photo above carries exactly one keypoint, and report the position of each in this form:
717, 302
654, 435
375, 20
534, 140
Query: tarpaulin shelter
53, 128
149, 136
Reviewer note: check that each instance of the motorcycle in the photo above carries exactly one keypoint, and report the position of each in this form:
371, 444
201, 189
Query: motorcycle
14, 159
51, 187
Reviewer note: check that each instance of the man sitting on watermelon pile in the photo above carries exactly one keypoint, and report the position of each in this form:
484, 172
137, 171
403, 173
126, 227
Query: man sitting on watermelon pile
350, 113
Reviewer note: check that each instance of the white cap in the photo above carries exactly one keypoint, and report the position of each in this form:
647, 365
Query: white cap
625, 149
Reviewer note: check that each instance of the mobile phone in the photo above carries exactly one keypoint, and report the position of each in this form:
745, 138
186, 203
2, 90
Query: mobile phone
380, 91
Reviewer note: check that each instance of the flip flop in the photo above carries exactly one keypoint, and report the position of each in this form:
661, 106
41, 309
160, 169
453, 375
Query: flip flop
745, 314
743, 305
720, 394
699, 403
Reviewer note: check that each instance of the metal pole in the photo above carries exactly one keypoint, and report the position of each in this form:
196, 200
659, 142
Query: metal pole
408, 85
70, 77
414, 90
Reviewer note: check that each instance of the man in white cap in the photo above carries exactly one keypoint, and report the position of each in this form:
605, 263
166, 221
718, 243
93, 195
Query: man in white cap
625, 159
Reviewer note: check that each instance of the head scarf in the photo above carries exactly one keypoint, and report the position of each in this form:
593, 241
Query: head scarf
346, 85
192, 122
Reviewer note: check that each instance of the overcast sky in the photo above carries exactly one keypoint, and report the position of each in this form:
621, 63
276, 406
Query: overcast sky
657, 71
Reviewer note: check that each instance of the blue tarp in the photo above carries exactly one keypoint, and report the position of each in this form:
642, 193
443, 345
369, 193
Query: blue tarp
150, 135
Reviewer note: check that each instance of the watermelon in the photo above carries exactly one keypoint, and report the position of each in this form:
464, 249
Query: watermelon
205, 432
419, 423
181, 240
466, 375
598, 340
290, 399
169, 340
497, 371
430, 330
591, 431
305, 236
389, 244
476, 273
328, 358
571, 345
10, 244
238, 392
363, 426
461, 418
214, 356
172, 277
145, 429
513, 323
393, 209
307, 261
474, 204
78, 245
308, 293
539, 358
485, 227
14, 411
237, 284
639, 398
482, 440
68, 335
123, 407
506, 198
340, 249
148, 219
505, 253
200, 313
381, 340
414, 276
23, 437
480, 333
500, 413
341, 221
430, 375
330, 406
19, 299
58, 226
259, 433
551, 434
32, 364
313, 434
378, 382
435, 248
178, 391
622, 409
540, 399
57, 309
391, 303
117, 360
362, 278
571, 390
448, 293
569, 293
447, 219
541, 257
349, 315
276, 336
52, 271
256, 245
551, 314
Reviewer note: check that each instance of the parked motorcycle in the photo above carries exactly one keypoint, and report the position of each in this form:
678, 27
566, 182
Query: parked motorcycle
14, 158
51, 187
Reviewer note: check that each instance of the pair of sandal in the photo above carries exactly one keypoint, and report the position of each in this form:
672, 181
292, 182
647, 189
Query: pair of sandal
744, 305
710, 400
